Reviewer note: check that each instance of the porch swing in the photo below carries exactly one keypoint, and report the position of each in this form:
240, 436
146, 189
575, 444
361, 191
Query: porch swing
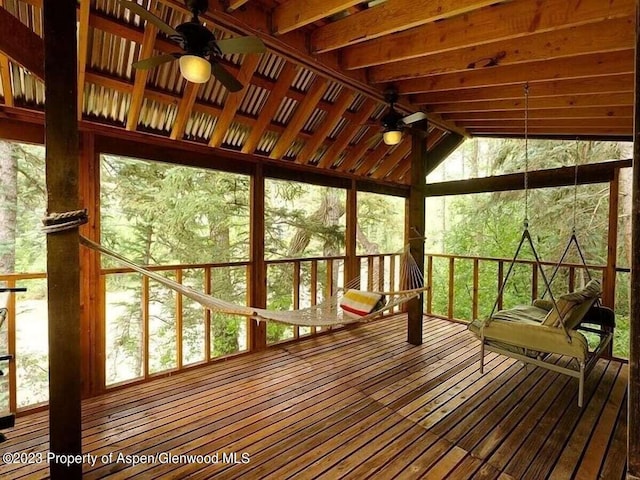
554, 326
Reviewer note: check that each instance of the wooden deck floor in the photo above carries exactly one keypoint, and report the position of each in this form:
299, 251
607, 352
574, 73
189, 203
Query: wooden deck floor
359, 403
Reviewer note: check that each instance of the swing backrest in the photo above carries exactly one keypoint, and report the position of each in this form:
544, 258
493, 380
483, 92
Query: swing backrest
574, 306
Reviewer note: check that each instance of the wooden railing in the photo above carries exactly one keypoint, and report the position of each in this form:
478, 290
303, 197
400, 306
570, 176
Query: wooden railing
312, 280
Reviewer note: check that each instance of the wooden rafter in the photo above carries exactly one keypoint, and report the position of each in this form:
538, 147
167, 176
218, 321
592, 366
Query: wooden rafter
331, 120
581, 66
345, 137
235, 4
21, 45
233, 100
393, 159
601, 85
372, 159
270, 108
549, 113
593, 100
294, 14
141, 76
434, 136
184, 109
386, 18
606, 36
300, 116
495, 23
562, 122
356, 153
83, 44
558, 131
5, 74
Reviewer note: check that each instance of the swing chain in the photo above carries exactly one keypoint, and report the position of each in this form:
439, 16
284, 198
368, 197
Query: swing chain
526, 155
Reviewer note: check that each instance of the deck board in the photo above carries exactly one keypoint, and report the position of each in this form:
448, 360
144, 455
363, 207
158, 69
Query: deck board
357, 403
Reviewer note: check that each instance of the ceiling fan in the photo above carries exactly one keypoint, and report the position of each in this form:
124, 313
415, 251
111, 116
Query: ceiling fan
201, 49
394, 122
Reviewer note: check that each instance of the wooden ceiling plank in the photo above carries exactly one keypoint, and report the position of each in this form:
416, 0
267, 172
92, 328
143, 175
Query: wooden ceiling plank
386, 18
294, 14
270, 108
570, 101
5, 74
393, 160
83, 44
21, 45
141, 76
184, 110
233, 100
300, 116
371, 160
612, 35
501, 22
355, 154
581, 66
235, 5
550, 113
605, 84
333, 117
345, 137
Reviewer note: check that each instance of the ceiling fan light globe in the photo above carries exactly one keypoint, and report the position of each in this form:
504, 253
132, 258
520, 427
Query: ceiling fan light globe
392, 137
195, 69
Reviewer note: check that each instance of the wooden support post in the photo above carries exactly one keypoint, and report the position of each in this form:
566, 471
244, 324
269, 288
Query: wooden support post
92, 321
609, 287
352, 266
415, 227
63, 270
258, 283
633, 426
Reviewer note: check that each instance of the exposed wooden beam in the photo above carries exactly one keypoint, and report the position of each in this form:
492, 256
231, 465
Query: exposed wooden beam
270, 108
415, 229
441, 150
333, 152
506, 21
21, 44
184, 109
602, 37
554, 177
372, 159
434, 136
354, 155
331, 120
633, 427
233, 100
83, 44
556, 131
592, 100
393, 160
581, 66
386, 18
258, 269
563, 122
605, 84
550, 113
5, 74
60, 63
141, 76
235, 4
299, 117
294, 14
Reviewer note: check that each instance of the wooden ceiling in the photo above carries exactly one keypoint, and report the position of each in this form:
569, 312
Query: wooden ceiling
314, 97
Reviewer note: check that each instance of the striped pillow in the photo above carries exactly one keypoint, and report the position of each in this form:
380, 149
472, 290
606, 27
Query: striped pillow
357, 303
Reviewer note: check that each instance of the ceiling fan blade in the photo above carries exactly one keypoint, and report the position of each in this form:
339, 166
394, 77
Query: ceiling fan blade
147, 15
225, 78
414, 117
241, 45
152, 62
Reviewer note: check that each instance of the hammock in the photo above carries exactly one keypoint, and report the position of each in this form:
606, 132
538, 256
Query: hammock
327, 313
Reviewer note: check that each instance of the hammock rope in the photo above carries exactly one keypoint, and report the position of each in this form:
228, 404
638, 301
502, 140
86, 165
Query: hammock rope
327, 313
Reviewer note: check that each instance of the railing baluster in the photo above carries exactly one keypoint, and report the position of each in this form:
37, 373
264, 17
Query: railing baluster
145, 325
572, 279
11, 332
476, 278
430, 284
534, 282
370, 268
452, 291
381, 273
314, 287
500, 280
207, 315
179, 320
296, 294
